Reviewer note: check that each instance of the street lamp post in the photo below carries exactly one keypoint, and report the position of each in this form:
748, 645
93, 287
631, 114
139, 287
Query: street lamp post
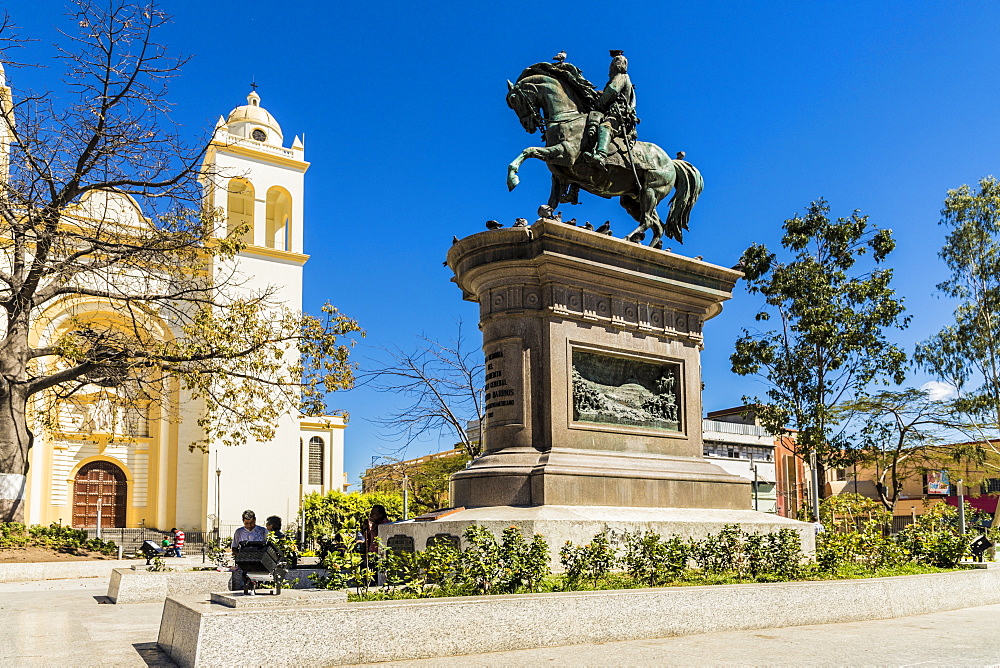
753, 467
218, 481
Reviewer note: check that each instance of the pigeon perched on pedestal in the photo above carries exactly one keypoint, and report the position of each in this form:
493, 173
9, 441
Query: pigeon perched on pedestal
493, 225
588, 226
571, 221
545, 211
521, 222
559, 57
454, 240
605, 228
680, 155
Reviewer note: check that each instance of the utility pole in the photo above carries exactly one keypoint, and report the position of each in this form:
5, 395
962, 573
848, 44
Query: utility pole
961, 508
814, 468
406, 498
753, 467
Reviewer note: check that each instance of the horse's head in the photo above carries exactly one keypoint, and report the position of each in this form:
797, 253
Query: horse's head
521, 98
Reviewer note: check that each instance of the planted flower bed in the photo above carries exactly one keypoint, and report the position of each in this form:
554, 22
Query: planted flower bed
855, 546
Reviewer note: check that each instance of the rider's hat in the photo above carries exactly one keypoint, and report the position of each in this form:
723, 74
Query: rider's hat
616, 52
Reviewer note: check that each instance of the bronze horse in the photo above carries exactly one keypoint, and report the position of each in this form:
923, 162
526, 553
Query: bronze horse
639, 173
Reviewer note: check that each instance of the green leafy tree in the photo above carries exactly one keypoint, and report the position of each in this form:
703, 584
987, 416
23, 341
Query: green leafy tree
898, 437
335, 518
832, 318
427, 481
966, 353
178, 324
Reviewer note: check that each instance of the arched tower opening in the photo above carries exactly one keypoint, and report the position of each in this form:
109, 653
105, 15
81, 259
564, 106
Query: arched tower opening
279, 219
239, 208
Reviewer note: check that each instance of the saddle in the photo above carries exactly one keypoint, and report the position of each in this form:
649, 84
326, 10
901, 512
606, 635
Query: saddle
617, 147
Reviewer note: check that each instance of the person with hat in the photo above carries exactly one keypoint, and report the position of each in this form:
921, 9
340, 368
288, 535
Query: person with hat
617, 103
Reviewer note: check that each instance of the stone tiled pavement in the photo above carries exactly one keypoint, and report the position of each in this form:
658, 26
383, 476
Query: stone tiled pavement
62, 623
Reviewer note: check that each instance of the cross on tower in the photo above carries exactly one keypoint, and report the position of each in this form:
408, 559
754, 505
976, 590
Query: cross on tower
253, 85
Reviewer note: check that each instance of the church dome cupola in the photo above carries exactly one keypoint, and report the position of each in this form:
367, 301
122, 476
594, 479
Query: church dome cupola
252, 121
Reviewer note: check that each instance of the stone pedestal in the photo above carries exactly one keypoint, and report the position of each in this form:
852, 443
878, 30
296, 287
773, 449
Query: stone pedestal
593, 379
593, 394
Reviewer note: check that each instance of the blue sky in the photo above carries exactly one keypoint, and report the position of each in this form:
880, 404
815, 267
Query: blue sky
880, 107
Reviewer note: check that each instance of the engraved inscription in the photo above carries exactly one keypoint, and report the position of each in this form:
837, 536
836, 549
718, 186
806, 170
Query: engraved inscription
621, 391
502, 388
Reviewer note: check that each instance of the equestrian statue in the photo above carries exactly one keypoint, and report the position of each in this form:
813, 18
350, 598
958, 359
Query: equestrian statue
590, 143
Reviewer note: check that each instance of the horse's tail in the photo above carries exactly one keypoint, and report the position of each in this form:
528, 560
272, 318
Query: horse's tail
688, 185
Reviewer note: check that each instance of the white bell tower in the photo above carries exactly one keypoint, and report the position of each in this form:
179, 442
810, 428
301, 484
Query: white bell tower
6, 124
255, 182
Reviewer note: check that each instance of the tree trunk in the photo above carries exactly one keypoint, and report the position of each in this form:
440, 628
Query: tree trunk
15, 442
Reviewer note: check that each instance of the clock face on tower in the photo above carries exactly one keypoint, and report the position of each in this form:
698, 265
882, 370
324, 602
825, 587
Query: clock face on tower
258, 134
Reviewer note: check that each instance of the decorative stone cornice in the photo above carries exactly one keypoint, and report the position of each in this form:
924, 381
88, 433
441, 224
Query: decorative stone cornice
574, 273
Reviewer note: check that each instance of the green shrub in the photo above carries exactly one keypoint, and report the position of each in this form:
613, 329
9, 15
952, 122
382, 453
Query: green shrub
868, 549
782, 555
934, 538
55, 536
219, 552
334, 518
157, 565
651, 560
507, 566
853, 512
593, 561
719, 553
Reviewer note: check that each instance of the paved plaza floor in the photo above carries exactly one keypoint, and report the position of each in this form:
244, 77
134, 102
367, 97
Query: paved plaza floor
63, 623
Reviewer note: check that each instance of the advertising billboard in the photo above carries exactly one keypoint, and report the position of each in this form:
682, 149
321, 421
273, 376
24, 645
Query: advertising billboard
937, 483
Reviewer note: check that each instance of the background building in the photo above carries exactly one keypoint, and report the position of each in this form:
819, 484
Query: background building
733, 436
426, 479
929, 475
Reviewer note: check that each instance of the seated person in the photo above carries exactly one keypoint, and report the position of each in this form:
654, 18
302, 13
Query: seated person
168, 550
249, 532
273, 525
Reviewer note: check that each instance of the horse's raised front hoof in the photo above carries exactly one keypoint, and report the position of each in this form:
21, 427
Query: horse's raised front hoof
657, 244
512, 181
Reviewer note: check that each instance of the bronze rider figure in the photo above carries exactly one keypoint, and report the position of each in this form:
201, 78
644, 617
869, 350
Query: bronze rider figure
617, 103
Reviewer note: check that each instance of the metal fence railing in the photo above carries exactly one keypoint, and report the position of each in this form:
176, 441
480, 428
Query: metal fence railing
900, 522
129, 539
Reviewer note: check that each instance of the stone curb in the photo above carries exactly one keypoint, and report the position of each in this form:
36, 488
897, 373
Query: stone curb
62, 570
198, 633
142, 586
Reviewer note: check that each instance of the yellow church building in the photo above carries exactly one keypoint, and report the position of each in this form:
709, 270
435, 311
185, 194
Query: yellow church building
131, 466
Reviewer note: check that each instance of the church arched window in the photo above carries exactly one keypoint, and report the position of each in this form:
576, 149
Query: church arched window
239, 208
279, 219
316, 460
